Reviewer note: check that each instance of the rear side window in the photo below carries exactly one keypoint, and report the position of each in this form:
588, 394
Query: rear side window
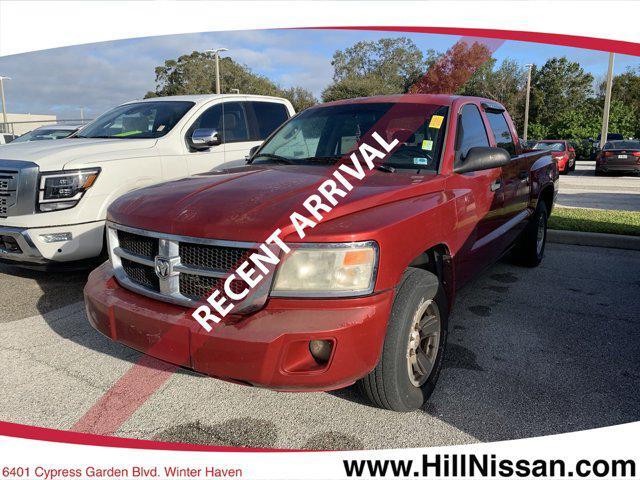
502, 133
471, 131
267, 117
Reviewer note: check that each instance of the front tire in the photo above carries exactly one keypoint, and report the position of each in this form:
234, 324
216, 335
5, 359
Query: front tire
529, 248
414, 345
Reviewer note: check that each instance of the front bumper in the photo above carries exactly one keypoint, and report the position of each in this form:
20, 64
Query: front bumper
26, 246
268, 348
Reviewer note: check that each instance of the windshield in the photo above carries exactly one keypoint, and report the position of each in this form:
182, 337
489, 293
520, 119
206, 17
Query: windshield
45, 134
137, 120
553, 146
622, 145
325, 134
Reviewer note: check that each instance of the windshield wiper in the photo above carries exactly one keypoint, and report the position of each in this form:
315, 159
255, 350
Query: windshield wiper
386, 168
274, 157
329, 159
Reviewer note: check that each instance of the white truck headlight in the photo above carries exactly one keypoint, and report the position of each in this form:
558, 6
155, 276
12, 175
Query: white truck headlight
61, 190
327, 270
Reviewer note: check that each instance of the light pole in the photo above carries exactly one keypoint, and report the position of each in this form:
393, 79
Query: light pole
216, 54
526, 102
604, 132
4, 106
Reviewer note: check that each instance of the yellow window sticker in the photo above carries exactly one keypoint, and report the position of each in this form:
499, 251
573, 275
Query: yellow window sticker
427, 144
436, 121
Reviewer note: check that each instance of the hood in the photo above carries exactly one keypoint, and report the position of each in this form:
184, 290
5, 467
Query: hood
248, 203
71, 152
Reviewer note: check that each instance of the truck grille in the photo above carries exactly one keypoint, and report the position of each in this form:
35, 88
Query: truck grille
180, 270
141, 274
213, 257
197, 287
8, 190
138, 245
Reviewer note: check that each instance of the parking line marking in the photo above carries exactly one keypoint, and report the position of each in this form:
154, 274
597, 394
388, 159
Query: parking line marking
126, 396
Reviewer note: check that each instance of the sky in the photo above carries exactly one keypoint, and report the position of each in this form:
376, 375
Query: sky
102, 75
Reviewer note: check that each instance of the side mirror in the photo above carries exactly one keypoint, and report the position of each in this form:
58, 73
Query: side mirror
251, 153
483, 158
204, 138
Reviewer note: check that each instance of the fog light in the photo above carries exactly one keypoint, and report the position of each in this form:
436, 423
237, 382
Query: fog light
56, 237
321, 350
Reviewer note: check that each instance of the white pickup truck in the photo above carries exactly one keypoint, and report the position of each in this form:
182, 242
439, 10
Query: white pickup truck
54, 195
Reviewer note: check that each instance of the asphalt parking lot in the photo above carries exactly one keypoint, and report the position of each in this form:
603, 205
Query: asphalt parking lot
583, 189
532, 352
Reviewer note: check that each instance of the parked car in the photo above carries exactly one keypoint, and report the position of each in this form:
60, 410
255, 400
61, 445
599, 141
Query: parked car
595, 150
562, 152
6, 138
366, 295
49, 132
54, 195
619, 156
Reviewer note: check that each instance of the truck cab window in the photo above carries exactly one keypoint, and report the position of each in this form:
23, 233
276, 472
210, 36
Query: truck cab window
267, 116
501, 132
228, 118
471, 131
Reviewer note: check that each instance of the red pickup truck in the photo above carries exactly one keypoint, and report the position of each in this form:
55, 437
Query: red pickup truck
365, 296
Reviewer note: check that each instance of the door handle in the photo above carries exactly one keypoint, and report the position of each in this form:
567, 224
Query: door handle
495, 185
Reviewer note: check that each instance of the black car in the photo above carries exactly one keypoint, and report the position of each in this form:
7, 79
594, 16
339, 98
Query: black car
621, 156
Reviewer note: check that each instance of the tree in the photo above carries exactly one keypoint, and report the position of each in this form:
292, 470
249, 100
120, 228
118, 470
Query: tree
626, 90
558, 86
299, 97
386, 66
453, 69
505, 84
195, 74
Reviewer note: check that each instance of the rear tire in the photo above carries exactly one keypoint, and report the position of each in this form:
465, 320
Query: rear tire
414, 345
529, 248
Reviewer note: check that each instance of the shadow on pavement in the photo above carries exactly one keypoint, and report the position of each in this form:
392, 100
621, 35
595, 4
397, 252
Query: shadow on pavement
531, 354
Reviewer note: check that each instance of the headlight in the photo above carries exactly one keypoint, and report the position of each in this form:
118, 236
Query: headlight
62, 190
327, 270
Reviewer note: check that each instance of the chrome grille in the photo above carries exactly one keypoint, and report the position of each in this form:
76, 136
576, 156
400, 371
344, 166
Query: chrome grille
141, 274
197, 287
8, 190
213, 257
181, 270
138, 244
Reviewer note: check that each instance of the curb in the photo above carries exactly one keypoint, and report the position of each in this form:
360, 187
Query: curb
590, 239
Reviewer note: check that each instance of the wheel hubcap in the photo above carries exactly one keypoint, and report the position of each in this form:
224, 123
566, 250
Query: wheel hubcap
541, 232
424, 341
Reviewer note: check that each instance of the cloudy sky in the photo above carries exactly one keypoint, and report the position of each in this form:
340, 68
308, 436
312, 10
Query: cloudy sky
102, 75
